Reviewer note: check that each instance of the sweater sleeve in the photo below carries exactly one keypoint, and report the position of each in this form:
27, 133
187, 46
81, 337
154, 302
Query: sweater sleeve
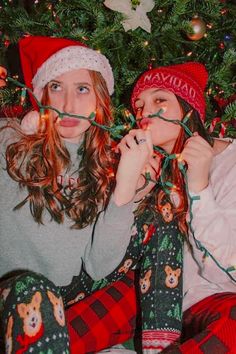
214, 226
111, 237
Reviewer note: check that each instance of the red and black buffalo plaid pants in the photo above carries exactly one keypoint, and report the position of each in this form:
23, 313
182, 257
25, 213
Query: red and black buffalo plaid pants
103, 319
209, 327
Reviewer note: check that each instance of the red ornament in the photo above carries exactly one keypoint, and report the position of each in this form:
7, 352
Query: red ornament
223, 11
3, 75
222, 102
6, 42
221, 45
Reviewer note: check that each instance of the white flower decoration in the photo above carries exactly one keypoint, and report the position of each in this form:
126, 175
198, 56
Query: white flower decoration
133, 18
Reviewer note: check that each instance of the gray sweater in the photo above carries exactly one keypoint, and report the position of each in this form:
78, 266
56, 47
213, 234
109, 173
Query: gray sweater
55, 250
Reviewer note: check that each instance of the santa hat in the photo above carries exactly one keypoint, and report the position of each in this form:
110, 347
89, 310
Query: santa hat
187, 81
45, 58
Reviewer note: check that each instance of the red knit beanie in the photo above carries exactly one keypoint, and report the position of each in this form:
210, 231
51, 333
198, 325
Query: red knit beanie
187, 81
45, 58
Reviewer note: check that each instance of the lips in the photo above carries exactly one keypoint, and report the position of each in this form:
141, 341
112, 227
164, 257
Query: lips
144, 123
69, 122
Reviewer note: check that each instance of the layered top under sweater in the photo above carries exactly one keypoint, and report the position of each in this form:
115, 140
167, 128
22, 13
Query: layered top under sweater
214, 225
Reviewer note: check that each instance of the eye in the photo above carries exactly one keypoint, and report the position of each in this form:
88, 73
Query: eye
54, 86
83, 89
160, 100
138, 107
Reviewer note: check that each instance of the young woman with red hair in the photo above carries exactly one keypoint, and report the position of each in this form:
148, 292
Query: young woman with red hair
57, 180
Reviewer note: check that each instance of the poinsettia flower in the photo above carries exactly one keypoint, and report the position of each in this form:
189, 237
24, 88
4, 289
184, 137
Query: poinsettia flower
133, 18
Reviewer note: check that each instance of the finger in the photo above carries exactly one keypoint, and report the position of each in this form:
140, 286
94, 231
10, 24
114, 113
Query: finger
133, 132
123, 148
144, 138
139, 135
149, 140
129, 141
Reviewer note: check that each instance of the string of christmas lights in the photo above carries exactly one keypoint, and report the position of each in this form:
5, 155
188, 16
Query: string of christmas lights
166, 185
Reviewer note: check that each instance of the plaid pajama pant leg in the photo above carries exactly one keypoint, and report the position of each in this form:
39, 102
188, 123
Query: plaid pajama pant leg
103, 319
209, 326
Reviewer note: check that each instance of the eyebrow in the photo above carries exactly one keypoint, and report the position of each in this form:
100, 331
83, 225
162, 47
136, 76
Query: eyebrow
82, 83
75, 83
153, 92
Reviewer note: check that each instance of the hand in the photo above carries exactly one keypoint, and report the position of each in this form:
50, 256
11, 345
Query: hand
136, 148
198, 155
152, 168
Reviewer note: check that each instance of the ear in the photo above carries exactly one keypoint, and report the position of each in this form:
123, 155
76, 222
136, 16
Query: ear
148, 274
51, 297
145, 227
168, 269
22, 309
178, 272
36, 299
10, 325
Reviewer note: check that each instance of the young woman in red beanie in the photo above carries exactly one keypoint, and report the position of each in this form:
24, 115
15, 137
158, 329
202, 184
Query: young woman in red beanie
56, 184
198, 179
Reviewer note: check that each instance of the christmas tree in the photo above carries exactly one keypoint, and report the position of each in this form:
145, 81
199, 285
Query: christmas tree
135, 35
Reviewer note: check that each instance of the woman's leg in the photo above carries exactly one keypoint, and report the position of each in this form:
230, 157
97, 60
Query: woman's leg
105, 318
32, 316
102, 313
209, 326
160, 289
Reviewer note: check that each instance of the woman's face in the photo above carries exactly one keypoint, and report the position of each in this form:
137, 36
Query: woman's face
73, 93
150, 101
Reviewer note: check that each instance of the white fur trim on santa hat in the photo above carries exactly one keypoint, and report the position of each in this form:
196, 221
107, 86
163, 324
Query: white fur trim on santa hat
70, 58
30, 123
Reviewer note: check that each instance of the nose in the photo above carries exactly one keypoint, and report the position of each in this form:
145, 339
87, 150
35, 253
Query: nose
147, 109
68, 102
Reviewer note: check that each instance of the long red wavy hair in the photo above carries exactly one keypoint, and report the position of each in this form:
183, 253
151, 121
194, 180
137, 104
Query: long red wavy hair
35, 162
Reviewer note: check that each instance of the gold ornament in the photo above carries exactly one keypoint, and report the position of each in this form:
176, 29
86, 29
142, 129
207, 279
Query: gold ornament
198, 29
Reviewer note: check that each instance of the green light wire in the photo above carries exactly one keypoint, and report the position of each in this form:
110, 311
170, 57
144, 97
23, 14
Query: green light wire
168, 158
